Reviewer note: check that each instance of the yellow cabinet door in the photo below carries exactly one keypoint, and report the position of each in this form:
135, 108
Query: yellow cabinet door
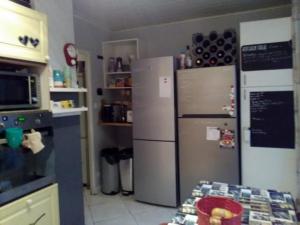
39, 208
23, 33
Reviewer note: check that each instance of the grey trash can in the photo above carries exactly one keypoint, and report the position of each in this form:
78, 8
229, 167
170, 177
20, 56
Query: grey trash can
109, 164
126, 173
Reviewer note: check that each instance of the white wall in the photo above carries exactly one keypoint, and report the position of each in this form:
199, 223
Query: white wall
89, 37
170, 39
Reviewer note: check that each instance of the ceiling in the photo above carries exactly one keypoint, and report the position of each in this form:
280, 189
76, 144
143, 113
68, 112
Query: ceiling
126, 14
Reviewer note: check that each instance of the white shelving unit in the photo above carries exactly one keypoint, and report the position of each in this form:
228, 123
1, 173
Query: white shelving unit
68, 90
115, 49
120, 93
59, 112
68, 112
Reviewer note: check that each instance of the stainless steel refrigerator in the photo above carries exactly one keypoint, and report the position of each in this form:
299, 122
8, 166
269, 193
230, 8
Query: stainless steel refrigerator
207, 126
154, 141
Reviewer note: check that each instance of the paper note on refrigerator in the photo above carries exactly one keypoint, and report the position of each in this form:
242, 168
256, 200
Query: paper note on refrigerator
165, 88
212, 134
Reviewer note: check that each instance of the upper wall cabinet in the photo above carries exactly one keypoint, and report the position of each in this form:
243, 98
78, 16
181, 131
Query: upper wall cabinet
23, 33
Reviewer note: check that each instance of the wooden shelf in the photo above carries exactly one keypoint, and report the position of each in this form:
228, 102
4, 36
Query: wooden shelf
115, 124
68, 90
117, 88
68, 112
118, 73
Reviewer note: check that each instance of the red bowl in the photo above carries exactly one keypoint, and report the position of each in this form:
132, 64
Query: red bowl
205, 205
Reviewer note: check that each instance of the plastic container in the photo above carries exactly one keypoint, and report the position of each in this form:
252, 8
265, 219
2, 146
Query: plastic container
58, 78
205, 205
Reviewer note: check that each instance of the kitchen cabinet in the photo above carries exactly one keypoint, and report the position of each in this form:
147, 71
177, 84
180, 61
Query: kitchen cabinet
117, 58
23, 33
39, 208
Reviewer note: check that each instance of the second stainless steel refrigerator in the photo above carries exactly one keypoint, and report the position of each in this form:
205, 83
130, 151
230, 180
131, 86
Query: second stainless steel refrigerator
154, 142
207, 127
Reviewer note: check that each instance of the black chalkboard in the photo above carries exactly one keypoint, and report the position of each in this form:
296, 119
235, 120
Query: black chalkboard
272, 119
269, 56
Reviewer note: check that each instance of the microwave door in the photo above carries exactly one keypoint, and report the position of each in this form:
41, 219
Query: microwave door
14, 92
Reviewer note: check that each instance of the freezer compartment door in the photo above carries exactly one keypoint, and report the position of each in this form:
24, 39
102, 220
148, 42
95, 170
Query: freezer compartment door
155, 172
205, 90
153, 99
203, 159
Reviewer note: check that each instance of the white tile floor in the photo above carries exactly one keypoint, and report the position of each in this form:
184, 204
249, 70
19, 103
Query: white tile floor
114, 210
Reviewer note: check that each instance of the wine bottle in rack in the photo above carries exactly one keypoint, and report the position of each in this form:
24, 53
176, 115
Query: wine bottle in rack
228, 34
228, 59
205, 43
213, 48
227, 47
220, 42
198, 62
213, 61
213, 35
206, 55
220, 54
198, 50
198, 38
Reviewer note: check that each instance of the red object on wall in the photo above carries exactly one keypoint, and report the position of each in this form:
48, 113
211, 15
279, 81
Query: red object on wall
70, 54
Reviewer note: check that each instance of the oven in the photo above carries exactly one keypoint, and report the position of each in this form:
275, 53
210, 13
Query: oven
21, 171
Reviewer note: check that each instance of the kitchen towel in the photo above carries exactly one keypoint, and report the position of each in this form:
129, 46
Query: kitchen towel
33, 141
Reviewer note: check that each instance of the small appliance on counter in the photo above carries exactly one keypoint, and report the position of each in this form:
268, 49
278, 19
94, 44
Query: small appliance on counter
115, 112
22, 170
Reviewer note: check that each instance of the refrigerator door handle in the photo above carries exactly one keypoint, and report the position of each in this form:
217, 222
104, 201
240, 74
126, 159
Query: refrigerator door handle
245, 79
246, 134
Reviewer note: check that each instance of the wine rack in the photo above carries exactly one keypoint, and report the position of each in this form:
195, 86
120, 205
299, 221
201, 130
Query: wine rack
215, 49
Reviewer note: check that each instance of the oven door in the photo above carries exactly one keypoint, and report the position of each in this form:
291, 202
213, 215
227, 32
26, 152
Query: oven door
22, 172
15, 91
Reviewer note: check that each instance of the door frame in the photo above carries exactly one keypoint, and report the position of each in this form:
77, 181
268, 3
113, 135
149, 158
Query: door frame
84, 55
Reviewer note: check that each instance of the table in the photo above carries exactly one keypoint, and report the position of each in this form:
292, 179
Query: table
261, 207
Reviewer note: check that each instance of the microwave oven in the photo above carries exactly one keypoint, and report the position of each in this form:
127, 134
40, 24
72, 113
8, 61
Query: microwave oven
19, 91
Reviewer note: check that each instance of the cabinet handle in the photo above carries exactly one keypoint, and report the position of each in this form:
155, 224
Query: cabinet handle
245, 79
35, 42
38, 219
23, 39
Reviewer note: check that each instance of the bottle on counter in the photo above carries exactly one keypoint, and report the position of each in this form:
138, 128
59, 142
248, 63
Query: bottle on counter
181, 61
188, 58
68, 77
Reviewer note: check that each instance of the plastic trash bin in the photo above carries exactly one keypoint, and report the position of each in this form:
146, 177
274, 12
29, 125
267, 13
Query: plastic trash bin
109, 164
126, 158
